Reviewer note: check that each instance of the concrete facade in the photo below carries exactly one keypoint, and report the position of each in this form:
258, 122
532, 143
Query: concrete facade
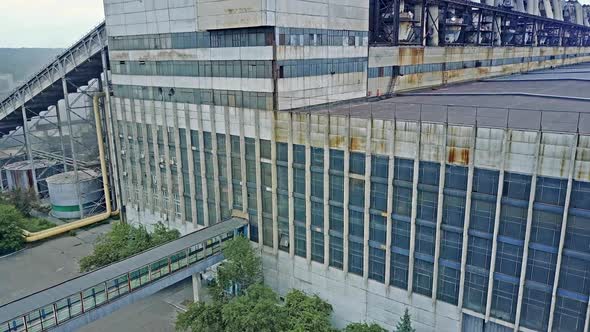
371, 212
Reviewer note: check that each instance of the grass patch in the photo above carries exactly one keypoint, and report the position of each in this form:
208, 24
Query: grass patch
35, 224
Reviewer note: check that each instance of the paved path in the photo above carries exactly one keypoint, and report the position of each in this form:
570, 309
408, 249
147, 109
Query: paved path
45, 264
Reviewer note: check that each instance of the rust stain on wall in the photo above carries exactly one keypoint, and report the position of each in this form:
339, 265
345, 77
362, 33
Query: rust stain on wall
458, 156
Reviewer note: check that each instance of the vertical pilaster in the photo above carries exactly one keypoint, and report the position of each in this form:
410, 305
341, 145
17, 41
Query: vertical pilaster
275, 209
118, 157
258, 178
390, 177
203, 165
529, 225
564, 220
230, 184
179, 165
146, 158
467, 219
290, 188
439, 211
136, 167
169, 185
131, 193
243, 162
497, 213
308, 188
215, 162
346, 196
367, 207
191, 164
414, 209
327, 194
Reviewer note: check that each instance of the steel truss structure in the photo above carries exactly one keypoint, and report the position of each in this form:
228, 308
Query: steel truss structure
464, 22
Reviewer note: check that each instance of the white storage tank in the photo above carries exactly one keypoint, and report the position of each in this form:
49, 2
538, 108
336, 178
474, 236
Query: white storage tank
65, 202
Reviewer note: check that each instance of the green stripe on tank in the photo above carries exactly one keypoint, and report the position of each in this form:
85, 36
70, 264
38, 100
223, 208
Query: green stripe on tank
69, 208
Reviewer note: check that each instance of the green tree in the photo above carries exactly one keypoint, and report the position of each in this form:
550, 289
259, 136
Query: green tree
11, 236
123, 241
364, 327
201, 317
307, 313
257, 310
242, 268
405, 323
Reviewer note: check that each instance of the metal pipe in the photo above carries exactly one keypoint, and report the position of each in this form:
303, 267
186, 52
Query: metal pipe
33, 237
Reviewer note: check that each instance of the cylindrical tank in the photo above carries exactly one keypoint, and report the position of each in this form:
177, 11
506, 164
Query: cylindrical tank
19, 175
63, 196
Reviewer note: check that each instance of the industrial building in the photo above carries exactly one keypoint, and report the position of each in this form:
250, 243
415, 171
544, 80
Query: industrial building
372, 169
467, 204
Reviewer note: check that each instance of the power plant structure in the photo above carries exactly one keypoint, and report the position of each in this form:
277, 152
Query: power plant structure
389, 154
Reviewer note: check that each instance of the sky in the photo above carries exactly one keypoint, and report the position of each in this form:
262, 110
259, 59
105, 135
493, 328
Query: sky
51, 23
47, 23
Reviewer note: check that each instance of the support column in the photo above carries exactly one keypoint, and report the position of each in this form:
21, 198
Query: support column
527, 236
215, 162
243, 162
327, 194
390, 177
414, 208
367, 207
197, 284
497, 30
64, 86
467, 220
439, 212
158, 194
30, 150
136, 156
146, 157
346, 197
203, 163
432, 24
498, 210
308, 188
119, 147
564, 220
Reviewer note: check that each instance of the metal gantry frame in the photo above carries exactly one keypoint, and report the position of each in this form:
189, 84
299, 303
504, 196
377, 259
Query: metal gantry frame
464, 22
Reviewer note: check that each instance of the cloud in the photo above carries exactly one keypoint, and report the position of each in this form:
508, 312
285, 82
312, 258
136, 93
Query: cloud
47, 23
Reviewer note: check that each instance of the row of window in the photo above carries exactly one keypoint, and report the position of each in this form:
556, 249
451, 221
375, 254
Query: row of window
76, 304
316, 67
550, 196
245, 37
233, 98
374, 72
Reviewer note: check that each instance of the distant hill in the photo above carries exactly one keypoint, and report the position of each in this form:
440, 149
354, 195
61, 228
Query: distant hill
23, 62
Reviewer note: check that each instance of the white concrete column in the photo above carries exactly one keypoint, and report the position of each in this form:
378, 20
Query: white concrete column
414, 209
243, 162
203, 165
564, 220
197, 283
290, 188
119, 148
158, 193
327, 194
390, 178
527, 236
275, 208
215, 162
346, 198
498, 210
140, 196
467, 220
308, 187
146, 157
179, 165
191, 165
367, 207
229, 175
169, 185
548, 8
131, 196
439, 212
258, 178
